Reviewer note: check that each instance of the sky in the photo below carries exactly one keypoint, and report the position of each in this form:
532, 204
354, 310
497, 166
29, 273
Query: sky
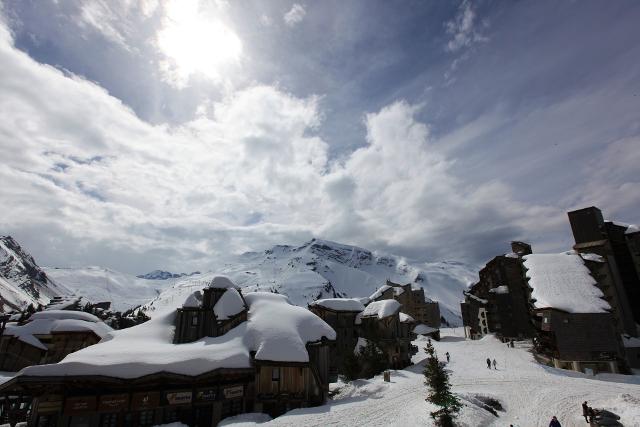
172, 134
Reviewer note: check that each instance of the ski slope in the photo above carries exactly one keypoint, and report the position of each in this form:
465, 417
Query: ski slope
529, 392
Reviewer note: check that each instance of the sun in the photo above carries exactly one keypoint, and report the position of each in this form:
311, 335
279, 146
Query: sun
195, 40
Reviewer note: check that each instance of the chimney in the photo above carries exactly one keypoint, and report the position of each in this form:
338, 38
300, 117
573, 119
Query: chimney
521, 248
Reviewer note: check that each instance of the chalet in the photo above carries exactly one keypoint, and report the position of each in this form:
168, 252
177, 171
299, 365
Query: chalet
498, 302
383, 323
340, 314
274, 359
48, 337
574, 325
427, 331
413, 301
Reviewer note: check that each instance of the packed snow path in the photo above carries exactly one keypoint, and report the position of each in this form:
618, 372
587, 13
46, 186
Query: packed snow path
529, 392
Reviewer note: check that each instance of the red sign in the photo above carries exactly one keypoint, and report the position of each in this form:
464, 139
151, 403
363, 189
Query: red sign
179, 397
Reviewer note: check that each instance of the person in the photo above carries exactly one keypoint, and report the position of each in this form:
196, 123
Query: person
585, 411
554, 422
511, 344
592, 415
447, 354
495, 364
488, 363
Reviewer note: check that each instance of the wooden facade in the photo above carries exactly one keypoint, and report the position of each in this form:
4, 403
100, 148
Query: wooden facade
16, 354
577, 341
392, 336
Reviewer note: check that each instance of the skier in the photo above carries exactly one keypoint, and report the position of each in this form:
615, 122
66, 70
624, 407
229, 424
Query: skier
448, 357
488, 363
585, 411
554, 422
495, 364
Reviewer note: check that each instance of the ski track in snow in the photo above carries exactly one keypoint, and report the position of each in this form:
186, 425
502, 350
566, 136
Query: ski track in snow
529, 392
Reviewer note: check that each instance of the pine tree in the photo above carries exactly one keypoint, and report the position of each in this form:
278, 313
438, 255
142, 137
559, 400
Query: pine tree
373, 359
351, 367
437, 378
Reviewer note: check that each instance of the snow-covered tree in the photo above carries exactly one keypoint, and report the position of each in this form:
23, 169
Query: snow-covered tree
437, 378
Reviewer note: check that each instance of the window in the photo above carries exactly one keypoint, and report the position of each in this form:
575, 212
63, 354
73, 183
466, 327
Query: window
146, 418
194, 320
109, 420
275, 374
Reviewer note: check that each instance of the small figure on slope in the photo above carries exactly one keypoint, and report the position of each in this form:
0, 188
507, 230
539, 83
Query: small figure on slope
554, 422
488, 363
495, 364
448, 356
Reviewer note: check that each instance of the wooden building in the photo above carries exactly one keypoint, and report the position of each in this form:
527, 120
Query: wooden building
574, 325
413, 300
340, 314
48, 337
498, 303
381, 323
619, 275
144, 377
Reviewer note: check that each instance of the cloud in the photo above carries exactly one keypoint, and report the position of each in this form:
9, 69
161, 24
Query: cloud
295, 15
463, 29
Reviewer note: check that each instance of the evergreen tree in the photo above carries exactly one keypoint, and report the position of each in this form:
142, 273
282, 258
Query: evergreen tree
373, 359
437, 378
351, 367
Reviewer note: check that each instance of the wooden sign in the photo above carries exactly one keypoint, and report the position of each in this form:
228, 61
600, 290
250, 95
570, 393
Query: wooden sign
114, 402
145, 400
179, 397
79, 405
232, 392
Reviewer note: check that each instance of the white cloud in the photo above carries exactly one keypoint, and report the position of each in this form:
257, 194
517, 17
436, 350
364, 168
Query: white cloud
295, 15
463, 29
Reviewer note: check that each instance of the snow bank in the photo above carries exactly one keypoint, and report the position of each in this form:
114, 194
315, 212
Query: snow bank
630, 342
405, 318
48, 322
592, 257
229, 304
382, 309
245, 420
562, 281
193, 300
340, 304
275, 331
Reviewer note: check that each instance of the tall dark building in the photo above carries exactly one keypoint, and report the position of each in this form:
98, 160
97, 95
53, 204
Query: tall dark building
619, 277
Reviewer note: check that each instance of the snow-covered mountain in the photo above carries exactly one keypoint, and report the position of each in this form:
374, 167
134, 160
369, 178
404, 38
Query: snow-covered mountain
98, 284
22, 282
321, 269
164, 275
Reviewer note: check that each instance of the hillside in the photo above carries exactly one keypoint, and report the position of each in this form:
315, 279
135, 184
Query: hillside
22, 282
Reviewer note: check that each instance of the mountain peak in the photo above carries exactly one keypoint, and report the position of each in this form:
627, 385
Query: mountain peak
164, 275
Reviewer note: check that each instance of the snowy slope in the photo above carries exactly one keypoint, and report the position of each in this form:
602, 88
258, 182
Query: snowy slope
530, 393
324, 269
98, 284
22, 282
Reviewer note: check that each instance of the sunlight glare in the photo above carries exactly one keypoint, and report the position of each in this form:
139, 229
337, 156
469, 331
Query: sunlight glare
196, 41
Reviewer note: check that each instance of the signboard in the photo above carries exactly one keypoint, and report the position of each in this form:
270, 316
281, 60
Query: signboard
79, 405
114, 402
233, 392
145, 400
206, 395
179, 397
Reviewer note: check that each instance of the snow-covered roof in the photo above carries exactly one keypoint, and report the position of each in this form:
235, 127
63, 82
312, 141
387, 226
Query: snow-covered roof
222, 282
229, 304
630, 228
592, 257
563, 282
630, 342
340, 304
275, 331
512, 255
405, 318
48, 322
378, 293
398, 290
423, 329
502, 289
472, 296
382, 309
193, 300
